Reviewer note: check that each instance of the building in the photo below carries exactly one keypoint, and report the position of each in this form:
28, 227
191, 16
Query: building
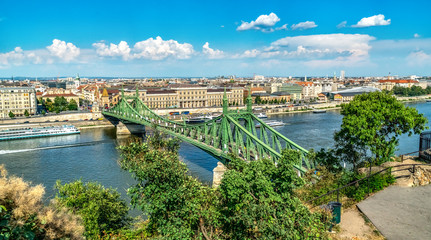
293, 89
52, 93
187, 96
17, 100
391, 83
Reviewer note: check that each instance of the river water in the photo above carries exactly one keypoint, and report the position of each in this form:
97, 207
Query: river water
92, 155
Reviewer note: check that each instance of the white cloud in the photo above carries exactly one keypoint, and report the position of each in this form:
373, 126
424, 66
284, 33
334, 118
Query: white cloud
158, 49
376, 20
342, 24
263, 23
120, 50
19, 57
14, 57
419, 58
154, 49
284, 27
416, 35
63, 50
325, 49
248, 54
211, 53
304, 25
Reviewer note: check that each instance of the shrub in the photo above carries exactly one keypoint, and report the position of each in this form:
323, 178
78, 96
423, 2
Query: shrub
23, 216
101, 208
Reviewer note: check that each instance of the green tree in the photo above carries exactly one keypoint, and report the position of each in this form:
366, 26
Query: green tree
11, 114
374, 121
26, 113
178, 206
101, 209
43, 112
72, 105
258, 201
257, 100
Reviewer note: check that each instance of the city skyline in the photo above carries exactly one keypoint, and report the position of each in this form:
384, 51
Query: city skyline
209, 39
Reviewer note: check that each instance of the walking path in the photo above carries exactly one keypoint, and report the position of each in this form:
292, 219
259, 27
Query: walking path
400, 212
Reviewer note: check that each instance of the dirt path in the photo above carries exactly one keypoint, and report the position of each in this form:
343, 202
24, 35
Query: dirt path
353, 226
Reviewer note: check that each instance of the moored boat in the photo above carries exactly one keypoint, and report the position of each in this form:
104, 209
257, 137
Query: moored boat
272, 123
28, 132
199, 119
319, 111
261, 115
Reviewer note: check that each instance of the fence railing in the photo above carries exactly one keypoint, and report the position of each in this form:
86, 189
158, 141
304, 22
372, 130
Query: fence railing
410, 167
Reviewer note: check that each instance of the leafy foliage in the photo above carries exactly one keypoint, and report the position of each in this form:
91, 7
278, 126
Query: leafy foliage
410, 92
23, 216
178, 205
11, 114
60, 104
258, 201
101, 208
254, 200
26, 113
373, 122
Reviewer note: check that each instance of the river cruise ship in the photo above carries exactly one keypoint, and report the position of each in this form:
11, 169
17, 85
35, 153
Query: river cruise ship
33, 132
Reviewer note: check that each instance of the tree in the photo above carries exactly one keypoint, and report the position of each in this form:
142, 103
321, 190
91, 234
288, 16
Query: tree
11, 114
101, 209
374, 121
178, 206
72, 105
255, 199
257, 100
258, 201
24, 216
43, 112
26, 113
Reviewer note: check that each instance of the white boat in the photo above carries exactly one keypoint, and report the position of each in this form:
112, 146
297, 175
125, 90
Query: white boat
261, 115
272, 123
199, 119
21, 133
319, 111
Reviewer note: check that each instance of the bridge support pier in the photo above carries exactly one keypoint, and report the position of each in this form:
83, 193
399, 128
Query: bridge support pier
218, 174
122, 129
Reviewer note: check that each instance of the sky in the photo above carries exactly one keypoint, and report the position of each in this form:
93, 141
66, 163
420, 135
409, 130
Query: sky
214, 38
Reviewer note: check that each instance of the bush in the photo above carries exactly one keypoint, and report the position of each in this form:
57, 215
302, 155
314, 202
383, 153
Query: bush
23, 216
101, 209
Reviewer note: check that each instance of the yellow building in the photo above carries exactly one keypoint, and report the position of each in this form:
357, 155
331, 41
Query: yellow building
17, 100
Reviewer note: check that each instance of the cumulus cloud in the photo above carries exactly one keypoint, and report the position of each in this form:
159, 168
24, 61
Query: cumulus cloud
19, 57
153, 49
263, 23
376, 20
419, 58
64, 51
325, 49
211, 53
284, 27
304, 25
350, 44
120, 50
342, 24
416, 35
158, 49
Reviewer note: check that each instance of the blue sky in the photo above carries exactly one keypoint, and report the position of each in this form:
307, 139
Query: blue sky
211, 38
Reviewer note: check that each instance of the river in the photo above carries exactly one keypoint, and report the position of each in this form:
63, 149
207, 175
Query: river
92, 155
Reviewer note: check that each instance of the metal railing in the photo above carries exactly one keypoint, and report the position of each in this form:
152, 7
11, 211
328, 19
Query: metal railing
411, 168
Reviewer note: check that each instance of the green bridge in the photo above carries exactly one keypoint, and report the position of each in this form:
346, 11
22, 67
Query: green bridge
233, 132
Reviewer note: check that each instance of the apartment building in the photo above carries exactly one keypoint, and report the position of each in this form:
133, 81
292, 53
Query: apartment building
17, 100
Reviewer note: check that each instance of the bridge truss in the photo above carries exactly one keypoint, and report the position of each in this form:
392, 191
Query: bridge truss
234, 132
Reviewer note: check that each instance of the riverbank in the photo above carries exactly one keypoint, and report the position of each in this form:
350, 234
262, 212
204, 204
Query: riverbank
81, 124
